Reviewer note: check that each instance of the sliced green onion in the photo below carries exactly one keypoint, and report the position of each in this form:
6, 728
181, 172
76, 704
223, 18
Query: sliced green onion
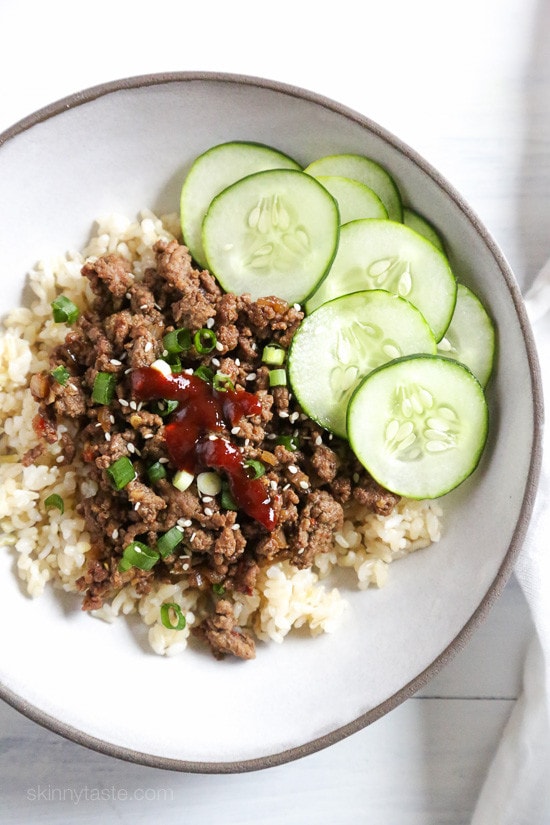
256, 467
168, 610
155, 472
209, 483
227, 501
104, 387
61, 374
204, 340
218, 589
137, 554
55, 501
204, 372
175, 364
222, 382
169, 541
289, 441
164, 408
182, 480
277, 378
121, 472
274, 355
178, 340
64, 311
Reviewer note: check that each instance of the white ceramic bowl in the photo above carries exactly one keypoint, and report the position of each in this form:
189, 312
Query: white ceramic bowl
125, 145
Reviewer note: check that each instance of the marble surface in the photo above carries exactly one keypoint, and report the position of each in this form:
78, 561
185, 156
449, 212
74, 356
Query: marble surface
467, 86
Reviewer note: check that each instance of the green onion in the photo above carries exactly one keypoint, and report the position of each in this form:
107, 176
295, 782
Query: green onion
256, 467
61, 374
178, 340
204, 372
169, 541
277, 378
222, 382
64, 311
182, 480
103, 390
137, 554
167, 610
288, 441
218, 589
164, 408
273, 354
55, 501
204, 340
227, 501
121, 472
155, 472
175, 364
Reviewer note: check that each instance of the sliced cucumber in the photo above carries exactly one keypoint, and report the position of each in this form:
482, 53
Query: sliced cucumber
366, 171
414, 220
342, 341
213, 171
470, 337
419, 425
354, 199
374, 254
272, 233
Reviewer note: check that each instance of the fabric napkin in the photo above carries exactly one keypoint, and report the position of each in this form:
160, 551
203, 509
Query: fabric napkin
516, 790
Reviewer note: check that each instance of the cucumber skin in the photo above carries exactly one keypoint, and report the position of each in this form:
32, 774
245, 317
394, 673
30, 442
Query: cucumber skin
476, 459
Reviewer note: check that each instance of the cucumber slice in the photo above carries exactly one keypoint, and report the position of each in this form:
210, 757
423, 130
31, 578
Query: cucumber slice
272, 233
374, 254
414, 220
354, 199
471, 336
342, 341
419, 425
213, 171
366, 171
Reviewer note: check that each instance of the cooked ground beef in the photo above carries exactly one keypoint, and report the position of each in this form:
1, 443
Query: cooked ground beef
307, 474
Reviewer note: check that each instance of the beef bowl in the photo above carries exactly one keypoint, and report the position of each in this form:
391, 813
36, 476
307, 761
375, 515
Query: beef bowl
258, 475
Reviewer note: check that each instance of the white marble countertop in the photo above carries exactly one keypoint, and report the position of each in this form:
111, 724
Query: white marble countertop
467, 86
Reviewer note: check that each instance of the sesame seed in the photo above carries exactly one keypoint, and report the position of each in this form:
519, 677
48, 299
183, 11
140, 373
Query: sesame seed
148, 435
292, 468
107, 436
297, 307
148, 346
356, 477
206, 499
143, 306
128, 371
304, 485
186, 522
60, 458
112, 419
131, 448
208, 511
185, 566
212, 437
192, 538
294, 417
133, 405
114, 534
286, 487
283, 414
219, 346
238, 362
246, 442
251, 376
318, 441
163, 460
273, 484
216, 362
115, 362
98, 424
235, 526
271, 436
179, 527
235, 430
210, 323
137, 505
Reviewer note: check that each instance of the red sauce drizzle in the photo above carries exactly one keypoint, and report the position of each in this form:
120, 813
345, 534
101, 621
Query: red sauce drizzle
191, 434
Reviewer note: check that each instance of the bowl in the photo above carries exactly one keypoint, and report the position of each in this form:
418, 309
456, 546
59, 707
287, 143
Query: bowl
126, 145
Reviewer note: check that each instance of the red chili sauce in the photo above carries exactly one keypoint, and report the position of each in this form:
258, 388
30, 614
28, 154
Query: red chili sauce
191, 433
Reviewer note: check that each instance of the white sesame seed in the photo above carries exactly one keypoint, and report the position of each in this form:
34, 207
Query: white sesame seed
192, 538
112, 419
271, 436
273, 484
208, 511
156, 306
235, 526
237, 362
356, 477
212, 437
292, 468
186, 522
179, 527
283, 414
163, 460
216, 362
133, 405
304, 485
210, 323
219, 346
185, 566
251, 376
148, 435
294, 417
137, 505
98, 424
115, 362
60, 458
297, 307
235, 430
148, 346
143, 306
206, 499
131, 448
286, 487
246, 442
107, 436
114, 534
318, 441
128, 371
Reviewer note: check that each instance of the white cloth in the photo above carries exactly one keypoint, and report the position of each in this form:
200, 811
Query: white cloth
516, 790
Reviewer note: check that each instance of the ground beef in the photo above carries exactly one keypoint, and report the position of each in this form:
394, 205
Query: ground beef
307, 477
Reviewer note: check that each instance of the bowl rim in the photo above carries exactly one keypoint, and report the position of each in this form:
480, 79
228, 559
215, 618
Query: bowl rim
505, 570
